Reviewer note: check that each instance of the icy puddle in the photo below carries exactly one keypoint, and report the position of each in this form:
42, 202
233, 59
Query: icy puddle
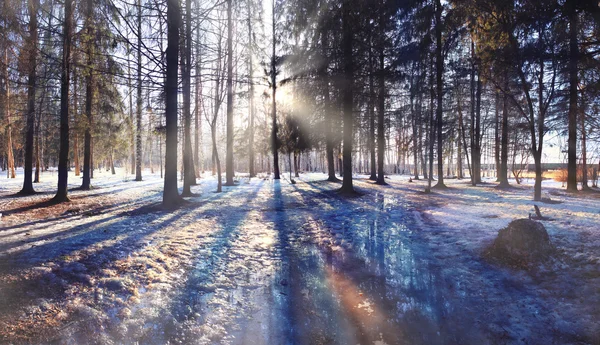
268, 263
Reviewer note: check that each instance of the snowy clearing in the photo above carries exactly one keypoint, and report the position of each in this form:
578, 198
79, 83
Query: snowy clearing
268, 262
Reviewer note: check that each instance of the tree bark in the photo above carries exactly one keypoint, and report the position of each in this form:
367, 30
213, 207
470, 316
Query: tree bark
76, 159
497, 134
63, 155
274, 141
372, 146
347, 97
31, 85
573, 106
381, 111
87, 144
439, 67
138, 139
189, 177
503, 175
229, 153
329, 142
251, 92
584, 171
171, 196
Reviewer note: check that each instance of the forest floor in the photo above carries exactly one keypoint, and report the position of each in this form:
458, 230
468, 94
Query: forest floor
269, 262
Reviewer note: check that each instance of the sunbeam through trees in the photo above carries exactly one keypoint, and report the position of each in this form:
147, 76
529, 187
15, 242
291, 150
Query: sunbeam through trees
299, 172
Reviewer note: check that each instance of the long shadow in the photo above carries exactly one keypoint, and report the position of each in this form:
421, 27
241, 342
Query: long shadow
392, 263
287, 323
76, 236
88, 234
192, 297
50, 222
310, 311
78, 271
67, 215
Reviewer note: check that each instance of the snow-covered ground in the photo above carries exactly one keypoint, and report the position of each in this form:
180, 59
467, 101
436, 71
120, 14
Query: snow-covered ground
269, 262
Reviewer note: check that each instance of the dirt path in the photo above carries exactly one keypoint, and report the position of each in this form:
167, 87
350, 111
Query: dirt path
262, 263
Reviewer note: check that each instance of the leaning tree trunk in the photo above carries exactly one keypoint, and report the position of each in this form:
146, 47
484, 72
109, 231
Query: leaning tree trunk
31, 84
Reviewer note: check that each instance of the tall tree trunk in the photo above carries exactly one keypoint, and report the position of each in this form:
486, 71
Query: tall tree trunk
347, 96
274, 140
459, 153
138, 139
198, 101
131, 119
381, 111
503, 174
371, 112
584, 169
497, 134
150, 140
329, 133
189, 177
10, 164
170, 193
229, 153
87, 144
63, 153
573, 106
537, 187
423, 137
414, 121
38, 153
439, 67
76, 159
431, 130
477, 149
213, 132
296, 163
160, 155
31, 85
463, 135
112, 162
251, 92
